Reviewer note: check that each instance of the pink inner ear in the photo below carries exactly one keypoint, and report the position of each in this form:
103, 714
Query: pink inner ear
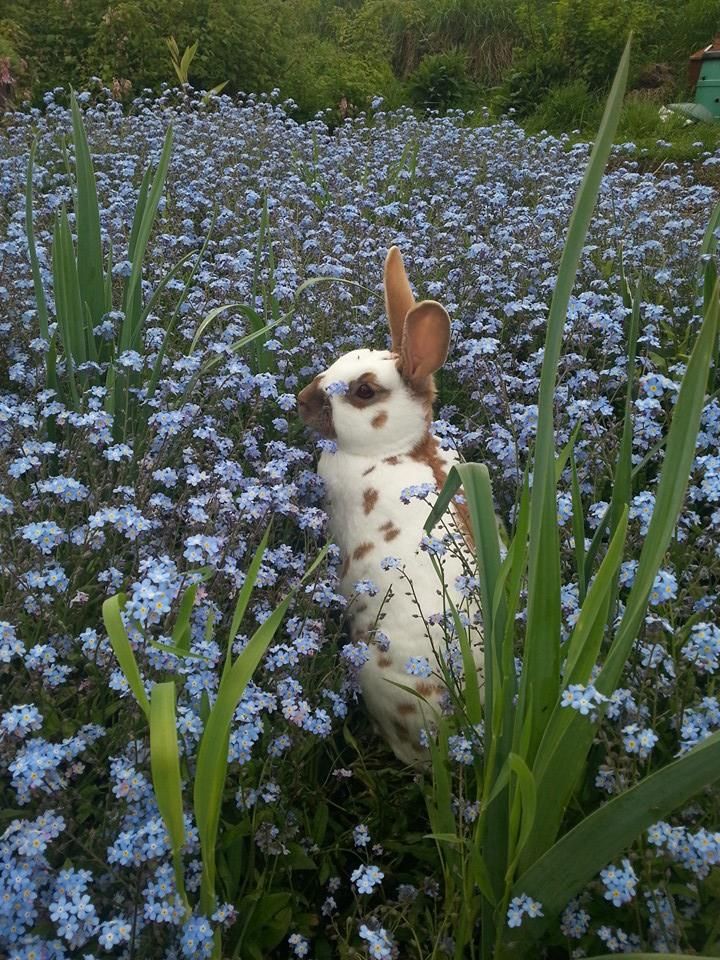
426, 338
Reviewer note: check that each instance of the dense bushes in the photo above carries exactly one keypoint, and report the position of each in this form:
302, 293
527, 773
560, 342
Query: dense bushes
339, 54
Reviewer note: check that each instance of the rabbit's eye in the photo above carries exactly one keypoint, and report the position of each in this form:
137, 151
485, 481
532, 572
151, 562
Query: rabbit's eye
365, 392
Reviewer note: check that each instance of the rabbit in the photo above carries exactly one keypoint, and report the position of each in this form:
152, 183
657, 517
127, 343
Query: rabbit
380, 423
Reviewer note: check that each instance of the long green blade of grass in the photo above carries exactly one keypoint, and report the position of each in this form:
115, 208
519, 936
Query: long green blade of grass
62, 310
244, 595
181, 627
542, 643
87, 222
558, 763
579, 856
130, 333
40, 301
568, 752
211, 768
123, 651
165, 769
622, 481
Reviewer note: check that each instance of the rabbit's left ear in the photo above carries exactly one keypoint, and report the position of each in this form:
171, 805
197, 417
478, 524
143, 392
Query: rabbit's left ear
425, 341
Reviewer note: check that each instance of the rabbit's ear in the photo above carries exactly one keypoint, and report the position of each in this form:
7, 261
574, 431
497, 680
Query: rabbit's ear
399, 297
425, 342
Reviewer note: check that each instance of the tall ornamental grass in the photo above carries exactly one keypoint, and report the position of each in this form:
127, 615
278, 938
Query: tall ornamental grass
536, 750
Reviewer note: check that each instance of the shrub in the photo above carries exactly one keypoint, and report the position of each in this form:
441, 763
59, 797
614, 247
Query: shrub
440, 81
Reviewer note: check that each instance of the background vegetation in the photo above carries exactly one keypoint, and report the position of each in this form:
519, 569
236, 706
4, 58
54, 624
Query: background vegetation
550, 61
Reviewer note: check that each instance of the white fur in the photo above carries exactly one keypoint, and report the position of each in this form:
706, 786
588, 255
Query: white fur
359, 466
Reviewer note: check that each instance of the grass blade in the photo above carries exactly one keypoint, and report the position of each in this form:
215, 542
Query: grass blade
87, 222
211, 768
541, 658
40, 300
123, 651
679, 455
165, 769
62, 310
674, 476
574, 860
181, 630
130, 333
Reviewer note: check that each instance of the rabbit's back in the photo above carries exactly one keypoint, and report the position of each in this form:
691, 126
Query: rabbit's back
378, 524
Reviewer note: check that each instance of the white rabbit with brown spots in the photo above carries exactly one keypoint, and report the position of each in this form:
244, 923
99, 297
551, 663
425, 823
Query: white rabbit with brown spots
380, 420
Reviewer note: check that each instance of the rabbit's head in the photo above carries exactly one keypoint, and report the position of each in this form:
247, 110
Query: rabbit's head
379, 402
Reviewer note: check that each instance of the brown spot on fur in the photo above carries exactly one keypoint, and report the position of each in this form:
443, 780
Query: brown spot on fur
345, 567
362, 550
393, 461
370, 498
406, 708
401, 731
424, 688
388, 525
383, 661
379, 420
391, 534
428, 452
369, 470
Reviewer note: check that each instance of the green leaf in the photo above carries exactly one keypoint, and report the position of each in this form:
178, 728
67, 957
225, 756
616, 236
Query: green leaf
87, 222
563, 871
123, 651
542, 636
165, 769
181, 628
211, 767
578, 526
130, 332
40, 302
528, 806
670, 494
244, 595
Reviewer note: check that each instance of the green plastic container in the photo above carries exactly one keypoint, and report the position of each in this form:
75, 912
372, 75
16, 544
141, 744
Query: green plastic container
707, 92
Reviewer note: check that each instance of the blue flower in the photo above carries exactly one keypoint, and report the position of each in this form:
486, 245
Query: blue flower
366, 878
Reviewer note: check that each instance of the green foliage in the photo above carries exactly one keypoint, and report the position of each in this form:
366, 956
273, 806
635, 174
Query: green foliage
210, 776
549, 60
441, 81
537, 750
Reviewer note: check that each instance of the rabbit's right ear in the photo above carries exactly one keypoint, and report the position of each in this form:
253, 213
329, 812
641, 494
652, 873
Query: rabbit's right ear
399, 299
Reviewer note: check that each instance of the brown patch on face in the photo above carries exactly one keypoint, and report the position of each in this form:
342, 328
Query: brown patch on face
404, 709
369, 470
379, 420
383, 661
393, 461
370, 498
315, 409
362, 550
368, 382
401, 731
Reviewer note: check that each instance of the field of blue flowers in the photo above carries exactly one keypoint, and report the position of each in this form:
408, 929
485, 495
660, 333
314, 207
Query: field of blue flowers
324, 849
